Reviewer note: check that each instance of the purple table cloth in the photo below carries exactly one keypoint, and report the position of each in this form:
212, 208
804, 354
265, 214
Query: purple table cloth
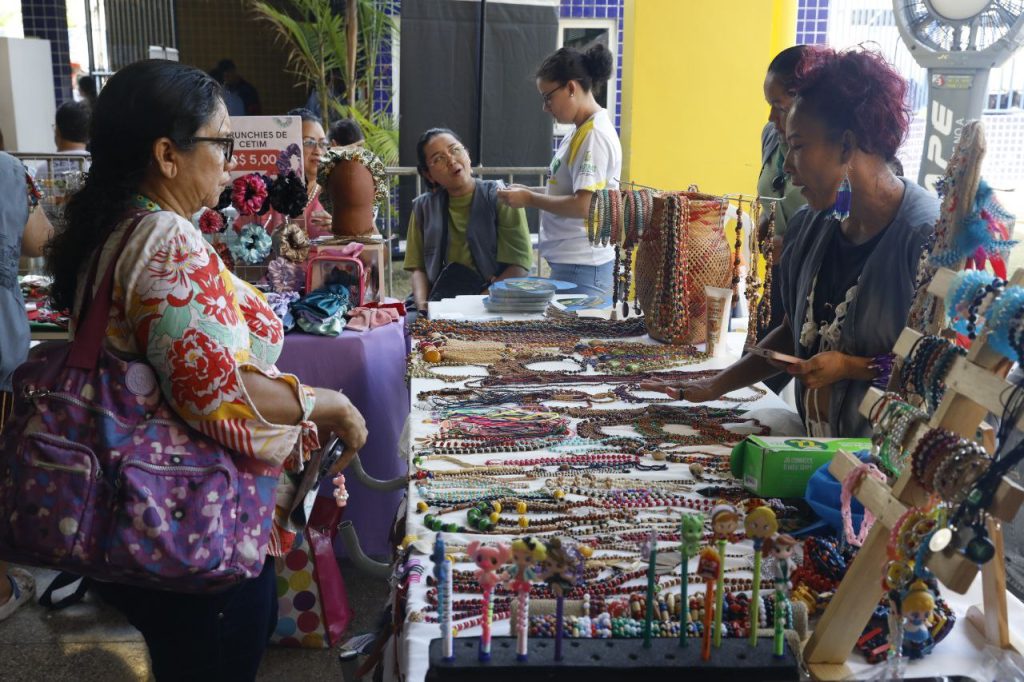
369, 368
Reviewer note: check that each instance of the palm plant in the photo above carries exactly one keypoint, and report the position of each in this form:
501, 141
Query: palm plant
322, 43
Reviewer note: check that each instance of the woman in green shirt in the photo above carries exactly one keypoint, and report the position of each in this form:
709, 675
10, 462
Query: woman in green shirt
460, 238
773, 181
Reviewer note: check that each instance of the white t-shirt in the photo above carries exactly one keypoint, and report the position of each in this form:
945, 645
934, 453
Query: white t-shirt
591, 159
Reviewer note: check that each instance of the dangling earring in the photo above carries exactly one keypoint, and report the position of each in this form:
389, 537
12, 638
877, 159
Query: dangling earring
844, 197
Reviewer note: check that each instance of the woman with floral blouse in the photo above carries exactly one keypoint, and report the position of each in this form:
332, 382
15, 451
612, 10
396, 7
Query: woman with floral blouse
161, 146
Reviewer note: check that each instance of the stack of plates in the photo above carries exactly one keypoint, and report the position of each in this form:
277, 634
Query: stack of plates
522, 295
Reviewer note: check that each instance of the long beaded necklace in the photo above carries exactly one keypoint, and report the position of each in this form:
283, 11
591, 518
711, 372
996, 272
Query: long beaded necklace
753, 289
629, 357
566, 330
737, 251
764, 305
650, 423
443, 399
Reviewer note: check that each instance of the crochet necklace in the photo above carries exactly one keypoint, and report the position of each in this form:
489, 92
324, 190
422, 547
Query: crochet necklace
828, 333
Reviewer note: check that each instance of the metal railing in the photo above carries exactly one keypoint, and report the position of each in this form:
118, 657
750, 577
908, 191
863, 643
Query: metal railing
57, 176
388, 219
56, 184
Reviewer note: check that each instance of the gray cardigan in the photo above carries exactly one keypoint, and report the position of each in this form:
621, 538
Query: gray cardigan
431, 210
879, 312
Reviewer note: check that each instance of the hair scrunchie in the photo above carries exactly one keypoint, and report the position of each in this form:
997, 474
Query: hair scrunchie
248, 194
295, 243
250, 246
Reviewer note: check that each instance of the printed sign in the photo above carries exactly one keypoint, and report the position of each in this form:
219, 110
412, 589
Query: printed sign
271, 145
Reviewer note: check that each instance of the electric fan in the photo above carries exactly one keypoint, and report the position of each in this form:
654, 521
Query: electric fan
958, 42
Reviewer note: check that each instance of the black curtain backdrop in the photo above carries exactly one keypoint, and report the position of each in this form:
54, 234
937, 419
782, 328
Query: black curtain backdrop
439, 81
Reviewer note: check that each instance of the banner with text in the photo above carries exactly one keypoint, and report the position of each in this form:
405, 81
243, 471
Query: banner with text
271, 145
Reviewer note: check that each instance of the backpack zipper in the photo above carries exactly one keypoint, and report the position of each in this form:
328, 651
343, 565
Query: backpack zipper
87, 469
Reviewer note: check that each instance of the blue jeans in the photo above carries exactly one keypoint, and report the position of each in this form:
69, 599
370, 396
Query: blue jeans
593, 280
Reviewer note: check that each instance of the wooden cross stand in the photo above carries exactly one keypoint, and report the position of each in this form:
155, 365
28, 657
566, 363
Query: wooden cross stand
975, 386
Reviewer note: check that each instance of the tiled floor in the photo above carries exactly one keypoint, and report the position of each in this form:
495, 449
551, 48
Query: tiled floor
91, 642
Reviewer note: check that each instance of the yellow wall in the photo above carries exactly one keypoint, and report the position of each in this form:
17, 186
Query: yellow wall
692, 101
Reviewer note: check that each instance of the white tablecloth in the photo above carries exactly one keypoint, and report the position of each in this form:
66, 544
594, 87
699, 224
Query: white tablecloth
962, 653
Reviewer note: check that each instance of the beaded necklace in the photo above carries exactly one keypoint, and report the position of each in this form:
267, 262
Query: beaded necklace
566, 330
650, 423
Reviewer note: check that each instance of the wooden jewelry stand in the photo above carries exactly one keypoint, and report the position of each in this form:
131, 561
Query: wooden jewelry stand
976, 386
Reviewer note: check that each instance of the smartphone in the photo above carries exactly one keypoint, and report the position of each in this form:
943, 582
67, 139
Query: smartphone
772, 355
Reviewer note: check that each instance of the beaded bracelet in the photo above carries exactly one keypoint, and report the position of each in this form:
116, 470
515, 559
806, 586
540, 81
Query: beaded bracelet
851, 481
927, 456
616, 226
592, 217
936, 390
606, 218
976, 309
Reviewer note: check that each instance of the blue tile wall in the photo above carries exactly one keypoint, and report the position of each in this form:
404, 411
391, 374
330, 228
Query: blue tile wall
382, 94
601, 9
49, 19
812, 22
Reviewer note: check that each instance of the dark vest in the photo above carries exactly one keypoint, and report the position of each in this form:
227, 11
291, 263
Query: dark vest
431, 211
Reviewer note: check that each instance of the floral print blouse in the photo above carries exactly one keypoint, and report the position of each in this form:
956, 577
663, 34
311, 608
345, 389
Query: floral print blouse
201, 328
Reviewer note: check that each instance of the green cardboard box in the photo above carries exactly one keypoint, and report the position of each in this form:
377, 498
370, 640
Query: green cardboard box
772, 466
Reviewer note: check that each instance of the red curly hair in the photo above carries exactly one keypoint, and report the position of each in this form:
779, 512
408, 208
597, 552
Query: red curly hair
856, 90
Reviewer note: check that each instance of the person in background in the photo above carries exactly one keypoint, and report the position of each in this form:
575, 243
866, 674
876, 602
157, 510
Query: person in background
848, 274
234, 103
346, 132
161, 140
460, 238
588, 159
71, 136
88, 88
58, 177
773, 180
234, 82
314, 144
335, 93
24, 231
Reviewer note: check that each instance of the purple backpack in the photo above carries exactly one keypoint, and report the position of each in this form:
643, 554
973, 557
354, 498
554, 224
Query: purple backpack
100, 477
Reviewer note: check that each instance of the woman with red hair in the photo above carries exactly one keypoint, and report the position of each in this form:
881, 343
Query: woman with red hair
851, 255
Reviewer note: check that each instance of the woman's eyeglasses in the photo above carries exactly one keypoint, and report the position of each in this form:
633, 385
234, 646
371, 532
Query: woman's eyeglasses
546, 96
454, 152
309, 142
226, 143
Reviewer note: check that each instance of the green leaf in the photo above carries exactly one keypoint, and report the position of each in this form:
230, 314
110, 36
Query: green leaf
315, 38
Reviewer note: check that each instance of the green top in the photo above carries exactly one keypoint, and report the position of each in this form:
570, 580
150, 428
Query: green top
514, 246
791, 200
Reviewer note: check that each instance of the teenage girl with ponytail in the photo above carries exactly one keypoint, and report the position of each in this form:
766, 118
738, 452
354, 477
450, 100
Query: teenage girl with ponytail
588, 159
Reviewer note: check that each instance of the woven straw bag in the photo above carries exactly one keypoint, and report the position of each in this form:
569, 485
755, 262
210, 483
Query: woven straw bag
682, 251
